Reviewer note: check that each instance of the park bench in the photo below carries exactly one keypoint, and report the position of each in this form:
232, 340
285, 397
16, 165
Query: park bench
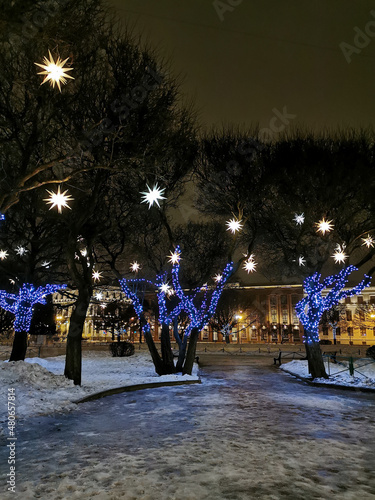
287, 355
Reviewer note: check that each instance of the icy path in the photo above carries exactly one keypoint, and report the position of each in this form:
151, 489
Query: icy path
248, 432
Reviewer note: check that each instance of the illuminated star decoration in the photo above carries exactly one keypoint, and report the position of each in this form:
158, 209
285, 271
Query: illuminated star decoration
301, 260
96, 275
54, 71
217, 277
324, 226
135, 267
175, 257
3, 254
340, 256
299, 219
153, 195
234, 225
20, 250
58, 199
99, 296
250, 264
165, 288
368, 241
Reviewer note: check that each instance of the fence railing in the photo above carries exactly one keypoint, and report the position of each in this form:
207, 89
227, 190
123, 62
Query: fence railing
341, 364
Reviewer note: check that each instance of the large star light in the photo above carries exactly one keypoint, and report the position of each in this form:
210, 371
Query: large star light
339, 255
324, 226
250, 264
218, 277
20, 250
153, 195
234, 225
96, 275
135, 267
174, 257
3, 254
299, 219
59, 199
54, 71
301, 260
165, 288
368, 241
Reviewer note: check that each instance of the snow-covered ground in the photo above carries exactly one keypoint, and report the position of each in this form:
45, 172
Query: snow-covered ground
247, 432
41, 388
363, 377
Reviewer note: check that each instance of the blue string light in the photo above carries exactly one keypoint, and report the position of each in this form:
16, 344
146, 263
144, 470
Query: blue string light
2, 216
199, 314
21, 305
311, 308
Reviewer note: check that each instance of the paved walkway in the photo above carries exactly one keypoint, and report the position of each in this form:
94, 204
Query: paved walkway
249, 431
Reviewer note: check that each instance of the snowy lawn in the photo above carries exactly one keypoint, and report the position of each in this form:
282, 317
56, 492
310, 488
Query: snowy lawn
364, 373
41, 387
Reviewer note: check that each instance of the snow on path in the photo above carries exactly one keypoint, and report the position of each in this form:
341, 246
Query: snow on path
247, 432
363, 378
41, 388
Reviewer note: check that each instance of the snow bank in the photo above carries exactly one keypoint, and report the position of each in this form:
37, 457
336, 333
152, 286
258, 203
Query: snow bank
364, 373
41, 388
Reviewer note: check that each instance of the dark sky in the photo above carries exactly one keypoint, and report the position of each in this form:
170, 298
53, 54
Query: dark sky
264, 55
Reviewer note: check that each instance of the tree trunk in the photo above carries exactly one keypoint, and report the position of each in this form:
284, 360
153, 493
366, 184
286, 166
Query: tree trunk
19, 347
190, 356
166, 349
181, 355
155, 356
315, 360
73, 361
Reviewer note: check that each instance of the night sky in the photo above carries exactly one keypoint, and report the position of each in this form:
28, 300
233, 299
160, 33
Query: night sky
264, 55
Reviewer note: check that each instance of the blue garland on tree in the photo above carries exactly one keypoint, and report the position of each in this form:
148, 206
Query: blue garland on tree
21, 305
311, 308
199, 314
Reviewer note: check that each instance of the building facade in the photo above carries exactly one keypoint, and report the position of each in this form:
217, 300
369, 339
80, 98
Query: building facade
265, 314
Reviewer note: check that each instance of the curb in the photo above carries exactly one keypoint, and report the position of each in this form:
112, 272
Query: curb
131, 388
337, 386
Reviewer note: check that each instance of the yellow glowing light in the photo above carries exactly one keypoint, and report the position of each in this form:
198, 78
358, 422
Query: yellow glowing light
324, 226
3, 254
368, 241
54, 71
58, 199
96, 275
